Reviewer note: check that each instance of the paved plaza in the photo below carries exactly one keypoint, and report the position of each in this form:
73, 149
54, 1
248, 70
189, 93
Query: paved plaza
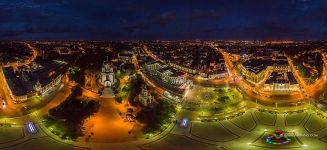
244, 131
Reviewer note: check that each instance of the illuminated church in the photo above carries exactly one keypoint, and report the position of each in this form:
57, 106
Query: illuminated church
107, 78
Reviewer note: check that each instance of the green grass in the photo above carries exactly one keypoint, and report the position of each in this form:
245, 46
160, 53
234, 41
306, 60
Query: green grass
315, 123
266, 118
218, 100
245, 121
294, 119
10, 134
45, 143
213, 131
177, 142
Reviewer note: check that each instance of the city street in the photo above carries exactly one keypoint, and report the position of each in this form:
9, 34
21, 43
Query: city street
163, 75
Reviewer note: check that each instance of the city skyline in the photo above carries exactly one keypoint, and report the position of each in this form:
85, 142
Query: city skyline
163, 74
163, 20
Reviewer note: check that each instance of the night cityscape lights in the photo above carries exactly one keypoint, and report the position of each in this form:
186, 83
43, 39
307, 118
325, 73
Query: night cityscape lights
163, 75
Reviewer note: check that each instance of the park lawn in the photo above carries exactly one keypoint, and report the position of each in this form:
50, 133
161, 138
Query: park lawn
294, 119
177, 142
266, 118
315, 123
45, 143
245, 121
213, 131
11, 134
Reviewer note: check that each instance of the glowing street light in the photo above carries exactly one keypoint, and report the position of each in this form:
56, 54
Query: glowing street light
4, 104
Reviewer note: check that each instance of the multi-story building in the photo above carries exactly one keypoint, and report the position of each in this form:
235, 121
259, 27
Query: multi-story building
154, 65
42, 89
182, 68
254, 70
281, 82
280, 63
165, 73
219, 71
218, 74
107, 78
24, 83
171, 76
126, 57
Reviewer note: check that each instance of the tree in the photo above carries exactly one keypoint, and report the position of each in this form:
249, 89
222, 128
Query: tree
223, 99
118, 99
155, 116
302, 70
135, 87
70, 114
77, 91
77, 75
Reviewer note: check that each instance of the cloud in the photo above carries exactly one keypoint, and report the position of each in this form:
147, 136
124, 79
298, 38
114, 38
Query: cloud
206, 14
152, 21
318, 14
135, 27
9, 33
14, 4
165, 18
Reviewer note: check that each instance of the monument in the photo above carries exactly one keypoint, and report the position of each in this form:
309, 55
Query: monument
107, 79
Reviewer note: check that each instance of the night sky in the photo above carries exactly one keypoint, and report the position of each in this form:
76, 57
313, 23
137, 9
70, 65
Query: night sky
163, 19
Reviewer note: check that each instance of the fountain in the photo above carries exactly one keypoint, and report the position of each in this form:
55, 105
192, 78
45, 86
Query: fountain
277, 138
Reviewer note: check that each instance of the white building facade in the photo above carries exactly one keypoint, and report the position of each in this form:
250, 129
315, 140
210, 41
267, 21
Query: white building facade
107, 77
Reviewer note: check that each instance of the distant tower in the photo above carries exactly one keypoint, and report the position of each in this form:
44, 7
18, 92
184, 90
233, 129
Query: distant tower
38, 87
43, 54
107, 75
145, 97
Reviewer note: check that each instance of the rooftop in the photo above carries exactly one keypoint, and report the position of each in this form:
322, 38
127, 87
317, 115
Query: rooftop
281, 78
22, 82
256, 65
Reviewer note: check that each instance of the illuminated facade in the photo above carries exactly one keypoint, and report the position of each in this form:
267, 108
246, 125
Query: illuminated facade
32, 82
43, 89
182, 68
165, 73
255, 70
39, 90
107, 78
145, 97
281, 82
125, 57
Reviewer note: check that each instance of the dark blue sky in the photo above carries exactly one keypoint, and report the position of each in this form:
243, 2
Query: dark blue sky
163, 19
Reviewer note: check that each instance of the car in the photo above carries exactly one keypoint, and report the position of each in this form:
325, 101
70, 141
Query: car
184, 123
31, 128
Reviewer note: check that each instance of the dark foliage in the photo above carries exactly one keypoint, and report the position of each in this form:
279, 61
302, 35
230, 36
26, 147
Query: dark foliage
136, 86
72, 112
155, 116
